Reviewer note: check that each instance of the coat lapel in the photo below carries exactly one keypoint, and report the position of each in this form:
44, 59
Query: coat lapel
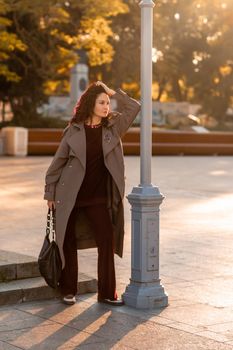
77, 143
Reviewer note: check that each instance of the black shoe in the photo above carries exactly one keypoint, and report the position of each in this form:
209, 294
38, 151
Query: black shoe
117, 302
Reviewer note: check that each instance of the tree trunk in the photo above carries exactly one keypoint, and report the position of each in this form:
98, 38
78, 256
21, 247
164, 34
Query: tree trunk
3, 111
162, 85
176, 90
24, 112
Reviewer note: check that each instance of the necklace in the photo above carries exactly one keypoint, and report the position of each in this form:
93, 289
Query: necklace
93, 126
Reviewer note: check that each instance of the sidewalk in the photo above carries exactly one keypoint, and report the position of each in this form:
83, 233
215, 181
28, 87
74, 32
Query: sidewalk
196, 263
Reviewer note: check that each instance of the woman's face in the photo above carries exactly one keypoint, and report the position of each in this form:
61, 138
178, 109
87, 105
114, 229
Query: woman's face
102, 106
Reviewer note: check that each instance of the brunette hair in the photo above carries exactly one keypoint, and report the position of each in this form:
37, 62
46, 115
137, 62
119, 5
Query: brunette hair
85, 105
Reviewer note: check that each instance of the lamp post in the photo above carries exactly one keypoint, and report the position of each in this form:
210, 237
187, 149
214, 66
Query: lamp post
145, 289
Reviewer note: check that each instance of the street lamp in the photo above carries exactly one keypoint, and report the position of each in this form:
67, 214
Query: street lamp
145, 289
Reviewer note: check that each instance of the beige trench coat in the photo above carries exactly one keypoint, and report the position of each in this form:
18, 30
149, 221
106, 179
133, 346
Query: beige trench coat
67, 170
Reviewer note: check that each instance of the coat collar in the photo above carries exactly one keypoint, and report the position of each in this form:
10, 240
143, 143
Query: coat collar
77, 141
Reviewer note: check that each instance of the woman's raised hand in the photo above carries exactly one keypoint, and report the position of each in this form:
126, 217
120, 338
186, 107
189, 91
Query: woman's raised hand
109, 91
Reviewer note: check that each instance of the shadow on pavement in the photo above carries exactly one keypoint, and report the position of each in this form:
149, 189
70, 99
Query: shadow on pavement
87, 325
53, 325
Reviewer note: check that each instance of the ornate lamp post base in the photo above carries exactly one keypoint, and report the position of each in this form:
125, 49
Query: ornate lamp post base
145, 295
145, 290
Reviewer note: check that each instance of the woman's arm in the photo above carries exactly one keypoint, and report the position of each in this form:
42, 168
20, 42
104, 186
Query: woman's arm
55, 169
130, 108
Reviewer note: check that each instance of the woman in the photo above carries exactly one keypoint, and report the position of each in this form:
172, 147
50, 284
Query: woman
85, 184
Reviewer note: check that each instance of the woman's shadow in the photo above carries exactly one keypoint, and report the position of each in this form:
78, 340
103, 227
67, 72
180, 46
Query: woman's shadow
85, 325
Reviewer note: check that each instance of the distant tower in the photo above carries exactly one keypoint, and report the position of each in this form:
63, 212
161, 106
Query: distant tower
79, 78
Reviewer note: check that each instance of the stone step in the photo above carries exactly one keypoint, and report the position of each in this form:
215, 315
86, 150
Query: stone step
14, 266
30, 289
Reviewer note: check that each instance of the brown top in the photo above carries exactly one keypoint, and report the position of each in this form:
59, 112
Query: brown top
93, 189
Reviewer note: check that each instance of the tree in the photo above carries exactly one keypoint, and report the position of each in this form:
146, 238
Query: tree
195, 39
213, 84
192, 60
50, 33
124, 67
9, 42
124, 70
192, 50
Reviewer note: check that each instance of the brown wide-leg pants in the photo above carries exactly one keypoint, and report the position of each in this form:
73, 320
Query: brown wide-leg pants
102, 228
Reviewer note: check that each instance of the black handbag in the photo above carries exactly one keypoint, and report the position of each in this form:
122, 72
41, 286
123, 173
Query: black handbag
49, 259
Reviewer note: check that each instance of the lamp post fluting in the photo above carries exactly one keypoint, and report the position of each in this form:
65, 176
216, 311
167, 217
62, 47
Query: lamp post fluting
145, 290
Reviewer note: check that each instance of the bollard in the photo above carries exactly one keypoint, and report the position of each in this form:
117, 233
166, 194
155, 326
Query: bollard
15, 141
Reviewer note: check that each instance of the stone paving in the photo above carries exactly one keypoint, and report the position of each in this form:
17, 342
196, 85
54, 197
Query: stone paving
196, 263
